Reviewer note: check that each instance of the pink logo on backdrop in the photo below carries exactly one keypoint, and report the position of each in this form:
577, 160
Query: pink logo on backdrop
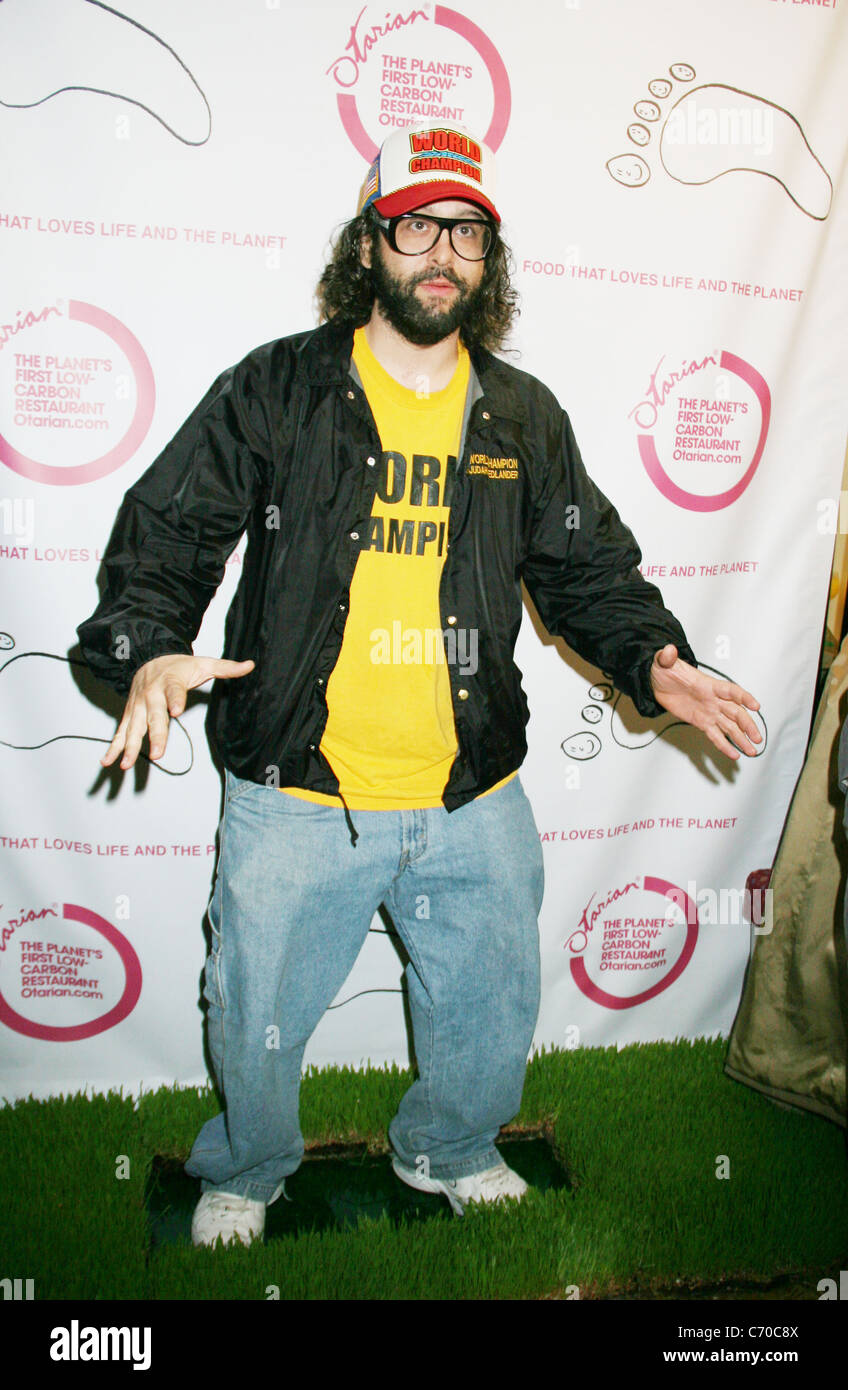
383, 81
703, 426
68, 399
66, 964
632, 942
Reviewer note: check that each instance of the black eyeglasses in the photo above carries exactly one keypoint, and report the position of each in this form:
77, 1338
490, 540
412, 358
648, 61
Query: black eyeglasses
411, 234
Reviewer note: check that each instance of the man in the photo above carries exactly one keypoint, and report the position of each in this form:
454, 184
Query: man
396, 481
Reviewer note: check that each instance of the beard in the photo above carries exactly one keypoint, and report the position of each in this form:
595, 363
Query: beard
398, 304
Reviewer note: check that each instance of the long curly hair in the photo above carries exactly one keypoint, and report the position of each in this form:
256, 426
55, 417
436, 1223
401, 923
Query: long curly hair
346, 291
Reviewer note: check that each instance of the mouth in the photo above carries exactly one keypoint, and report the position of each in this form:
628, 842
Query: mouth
439, 286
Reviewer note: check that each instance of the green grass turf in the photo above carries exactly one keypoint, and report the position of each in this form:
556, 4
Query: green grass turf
641, 1132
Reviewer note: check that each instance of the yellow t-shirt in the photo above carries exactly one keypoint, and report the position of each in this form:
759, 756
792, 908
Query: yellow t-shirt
390, 735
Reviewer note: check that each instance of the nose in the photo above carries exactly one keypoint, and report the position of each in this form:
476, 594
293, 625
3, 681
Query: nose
442, 252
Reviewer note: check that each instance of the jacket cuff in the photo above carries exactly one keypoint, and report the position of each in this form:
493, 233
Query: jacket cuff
118, 674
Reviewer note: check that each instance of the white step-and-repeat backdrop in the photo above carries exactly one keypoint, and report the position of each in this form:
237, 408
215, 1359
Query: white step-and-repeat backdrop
669, 179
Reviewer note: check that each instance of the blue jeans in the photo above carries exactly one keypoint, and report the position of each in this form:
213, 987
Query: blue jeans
291, 908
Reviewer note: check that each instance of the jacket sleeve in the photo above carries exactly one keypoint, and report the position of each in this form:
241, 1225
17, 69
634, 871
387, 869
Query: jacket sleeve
581, 572
174, 531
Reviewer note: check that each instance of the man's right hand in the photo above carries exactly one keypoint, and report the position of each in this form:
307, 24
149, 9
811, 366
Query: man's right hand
158, 692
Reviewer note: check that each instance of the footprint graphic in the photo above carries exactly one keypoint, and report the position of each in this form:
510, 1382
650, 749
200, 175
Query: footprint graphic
53, 46
715, 129
627, 727
584, 744
36, 692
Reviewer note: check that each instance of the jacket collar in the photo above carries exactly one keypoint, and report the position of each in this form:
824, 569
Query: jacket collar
326, 354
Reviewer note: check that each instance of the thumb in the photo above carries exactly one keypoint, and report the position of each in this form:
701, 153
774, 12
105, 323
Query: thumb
207, 668
223, 667
667, 656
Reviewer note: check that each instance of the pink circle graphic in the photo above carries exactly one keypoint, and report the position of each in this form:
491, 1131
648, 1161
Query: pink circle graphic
71, 912
693, 501
580, 975
460, 24
139, 425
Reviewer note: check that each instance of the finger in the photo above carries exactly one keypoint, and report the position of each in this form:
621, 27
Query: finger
113, 750
743, 721
716, 736
118, 740
741, 696
746, 698
175, 697
135, 734
739, 737
157, 722
230, 669
748, 727
217, 668
743, 743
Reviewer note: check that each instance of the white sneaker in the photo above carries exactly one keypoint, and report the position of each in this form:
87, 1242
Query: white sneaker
492, 1185
228, 1216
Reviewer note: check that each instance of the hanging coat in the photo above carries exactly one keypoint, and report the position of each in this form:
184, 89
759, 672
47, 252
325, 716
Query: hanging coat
789, 1036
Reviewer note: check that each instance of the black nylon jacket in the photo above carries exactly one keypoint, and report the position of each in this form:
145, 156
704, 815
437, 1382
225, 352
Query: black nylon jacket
289, 427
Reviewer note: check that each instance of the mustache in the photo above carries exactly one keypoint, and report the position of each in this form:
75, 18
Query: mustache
444, 274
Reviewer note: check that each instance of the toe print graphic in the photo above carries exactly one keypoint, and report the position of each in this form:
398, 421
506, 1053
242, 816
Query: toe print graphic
700, 133
584, 744
581, 746
639, 134
52, 46
647, 111
624, 726
629, 169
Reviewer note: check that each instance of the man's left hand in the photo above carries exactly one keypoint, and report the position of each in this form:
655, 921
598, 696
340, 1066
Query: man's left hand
718, 707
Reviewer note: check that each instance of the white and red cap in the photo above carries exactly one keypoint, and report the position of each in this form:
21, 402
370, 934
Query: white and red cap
427, 163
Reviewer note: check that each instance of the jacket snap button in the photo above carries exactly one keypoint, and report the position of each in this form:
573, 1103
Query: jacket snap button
463, 694
351, 396
341, 607
320, 680
370, 462
312, 747
486, 415
451, 619
354, 535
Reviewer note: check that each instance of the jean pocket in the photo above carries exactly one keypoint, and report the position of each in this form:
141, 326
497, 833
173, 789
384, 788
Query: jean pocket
239, 786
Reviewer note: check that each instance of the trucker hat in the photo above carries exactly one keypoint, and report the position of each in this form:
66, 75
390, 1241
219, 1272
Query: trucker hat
426, 163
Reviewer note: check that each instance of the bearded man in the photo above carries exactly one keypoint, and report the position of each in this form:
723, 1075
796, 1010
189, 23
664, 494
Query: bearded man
397, 482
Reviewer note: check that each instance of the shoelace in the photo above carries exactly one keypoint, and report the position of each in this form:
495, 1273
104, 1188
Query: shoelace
222, 1201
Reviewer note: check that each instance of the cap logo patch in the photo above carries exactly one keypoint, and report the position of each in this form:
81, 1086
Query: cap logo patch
446, 151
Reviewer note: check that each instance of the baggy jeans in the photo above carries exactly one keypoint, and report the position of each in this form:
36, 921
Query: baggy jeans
291, 907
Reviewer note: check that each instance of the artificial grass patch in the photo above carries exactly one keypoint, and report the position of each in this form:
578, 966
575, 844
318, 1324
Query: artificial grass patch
679, 1178
335, 1188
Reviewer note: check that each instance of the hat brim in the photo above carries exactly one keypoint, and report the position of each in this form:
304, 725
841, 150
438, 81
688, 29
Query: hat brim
419, 194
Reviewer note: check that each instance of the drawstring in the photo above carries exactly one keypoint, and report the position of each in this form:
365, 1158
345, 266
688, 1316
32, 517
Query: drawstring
354, 833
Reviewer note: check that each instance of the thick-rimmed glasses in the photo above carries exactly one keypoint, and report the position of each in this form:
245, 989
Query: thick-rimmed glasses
413, 233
